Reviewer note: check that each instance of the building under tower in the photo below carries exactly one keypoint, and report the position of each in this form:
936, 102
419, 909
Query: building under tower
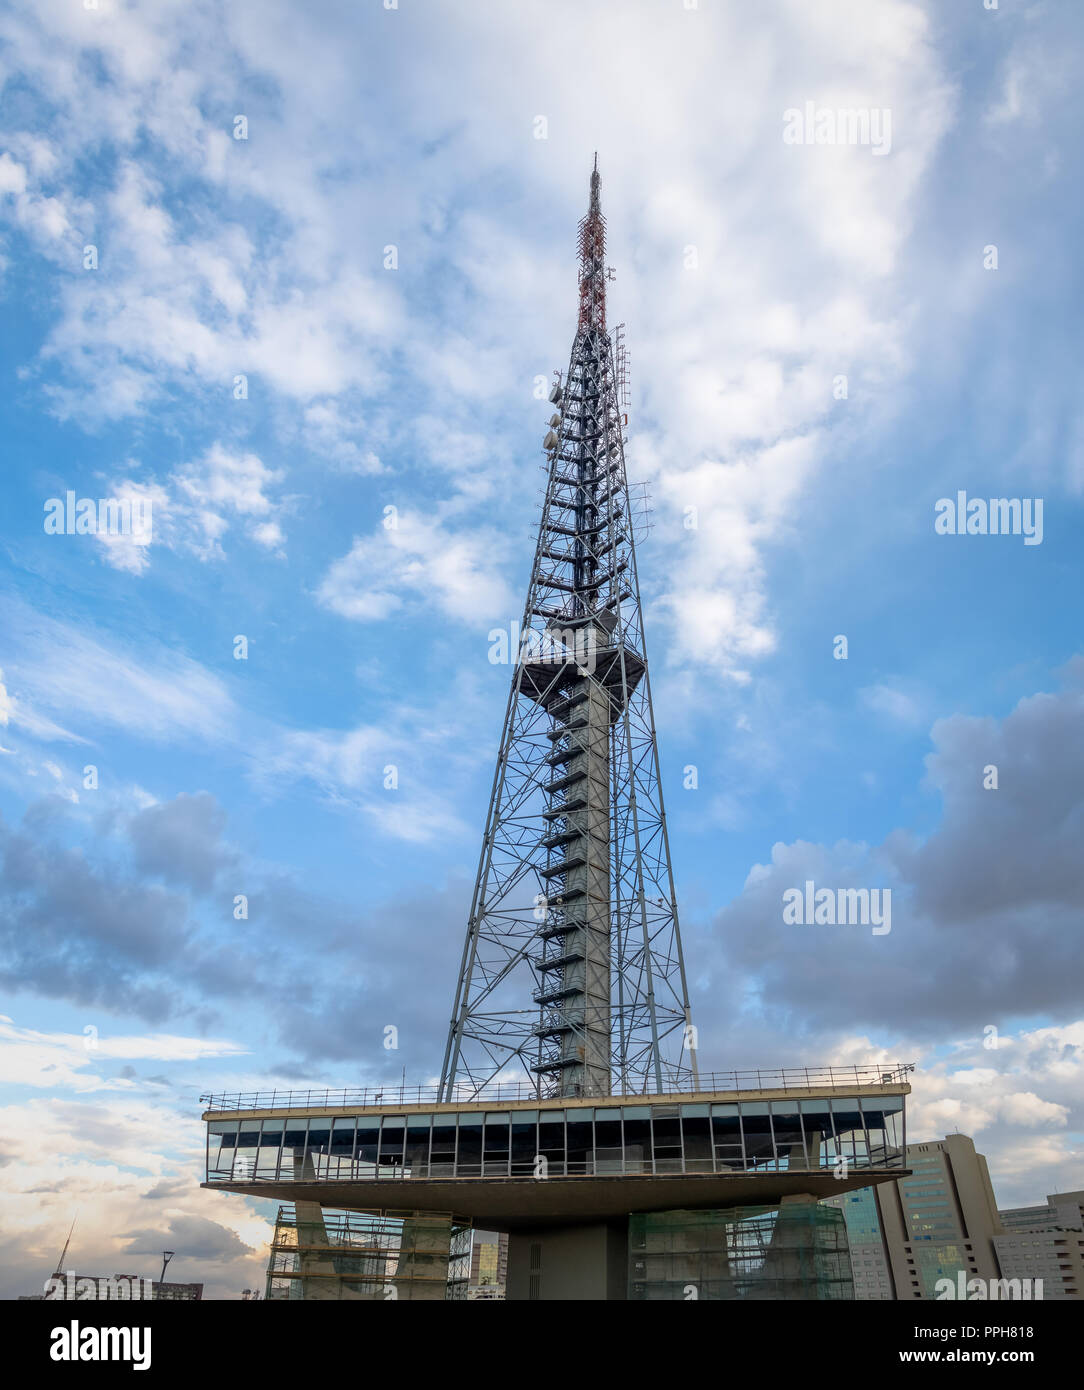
571, 1112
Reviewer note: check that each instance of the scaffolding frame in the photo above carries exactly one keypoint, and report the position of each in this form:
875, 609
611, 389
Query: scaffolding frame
796, 1250
326, 1255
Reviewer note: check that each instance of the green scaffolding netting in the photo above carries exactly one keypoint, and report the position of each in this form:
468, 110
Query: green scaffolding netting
794, 1251
319, 1254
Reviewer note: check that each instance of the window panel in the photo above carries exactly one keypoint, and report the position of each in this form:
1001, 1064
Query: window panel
879, 1142
368, 1139
497, 1134
495, 1157
319, 1135
248, 1139
551, 1139
416, 1148
608, 1129
342, 1135
850, 1131
524, 1144
392, 1134
637, 1139
214, 1148
293, 1149
757, 1129
580, 1140
726, 1124
789, 1147
469, 1152
442, 1154
696, 1140
318, 1147
267, 1157
666, 1132
221, 1146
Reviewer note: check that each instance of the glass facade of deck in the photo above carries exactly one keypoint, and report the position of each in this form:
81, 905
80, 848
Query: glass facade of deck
789, 1133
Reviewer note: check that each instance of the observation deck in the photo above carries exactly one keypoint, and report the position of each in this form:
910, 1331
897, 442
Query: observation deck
506, 1159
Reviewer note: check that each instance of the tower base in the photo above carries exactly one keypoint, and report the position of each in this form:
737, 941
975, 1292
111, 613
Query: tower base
796, 1249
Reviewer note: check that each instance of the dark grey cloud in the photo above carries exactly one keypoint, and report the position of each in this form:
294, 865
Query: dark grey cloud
169, 1189
84, 932
986, 909
307, 976
985, 927
191, 1238
181, 841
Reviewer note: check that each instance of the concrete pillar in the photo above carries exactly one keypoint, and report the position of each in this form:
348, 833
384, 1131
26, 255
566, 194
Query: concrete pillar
799, 1262
584, 1263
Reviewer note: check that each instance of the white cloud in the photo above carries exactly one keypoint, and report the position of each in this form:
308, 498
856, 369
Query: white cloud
1021, 1102
899, 705
223, 483
332, 431
12, 175
130, 551
124, 1167
15, 712
58, 1061
196, 507
733, 361
153, 693
425, 561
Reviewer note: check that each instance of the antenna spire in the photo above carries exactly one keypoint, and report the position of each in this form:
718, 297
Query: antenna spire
591, 243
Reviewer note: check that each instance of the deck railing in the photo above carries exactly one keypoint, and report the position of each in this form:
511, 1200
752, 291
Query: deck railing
502, 1092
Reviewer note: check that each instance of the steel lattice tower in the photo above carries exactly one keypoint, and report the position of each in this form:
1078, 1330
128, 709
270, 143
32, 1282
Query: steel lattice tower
572, 968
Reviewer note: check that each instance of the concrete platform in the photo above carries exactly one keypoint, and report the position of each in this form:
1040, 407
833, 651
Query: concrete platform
515, 1204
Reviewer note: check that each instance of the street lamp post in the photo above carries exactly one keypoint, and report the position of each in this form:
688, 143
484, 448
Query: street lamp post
167, 1255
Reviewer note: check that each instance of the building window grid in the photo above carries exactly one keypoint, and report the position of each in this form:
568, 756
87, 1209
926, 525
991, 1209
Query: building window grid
343, 1147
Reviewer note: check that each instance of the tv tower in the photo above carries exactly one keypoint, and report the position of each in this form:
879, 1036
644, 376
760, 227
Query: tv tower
570, 1055
572, 972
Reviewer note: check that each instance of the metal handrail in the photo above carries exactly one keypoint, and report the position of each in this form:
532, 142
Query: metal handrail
760, 1079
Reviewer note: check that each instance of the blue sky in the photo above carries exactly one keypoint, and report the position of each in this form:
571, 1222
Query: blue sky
414, 388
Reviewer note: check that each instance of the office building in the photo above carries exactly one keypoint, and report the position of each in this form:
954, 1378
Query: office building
937, 1222
1046, 1243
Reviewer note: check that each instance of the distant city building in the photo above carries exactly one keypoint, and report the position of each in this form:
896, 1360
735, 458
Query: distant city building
69, 1287
869, 1255
183, 1293
1046, 1243
488, 1265
937, 1223
486, 1293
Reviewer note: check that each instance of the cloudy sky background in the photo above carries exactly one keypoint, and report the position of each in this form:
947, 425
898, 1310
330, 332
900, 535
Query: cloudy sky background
127, 988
